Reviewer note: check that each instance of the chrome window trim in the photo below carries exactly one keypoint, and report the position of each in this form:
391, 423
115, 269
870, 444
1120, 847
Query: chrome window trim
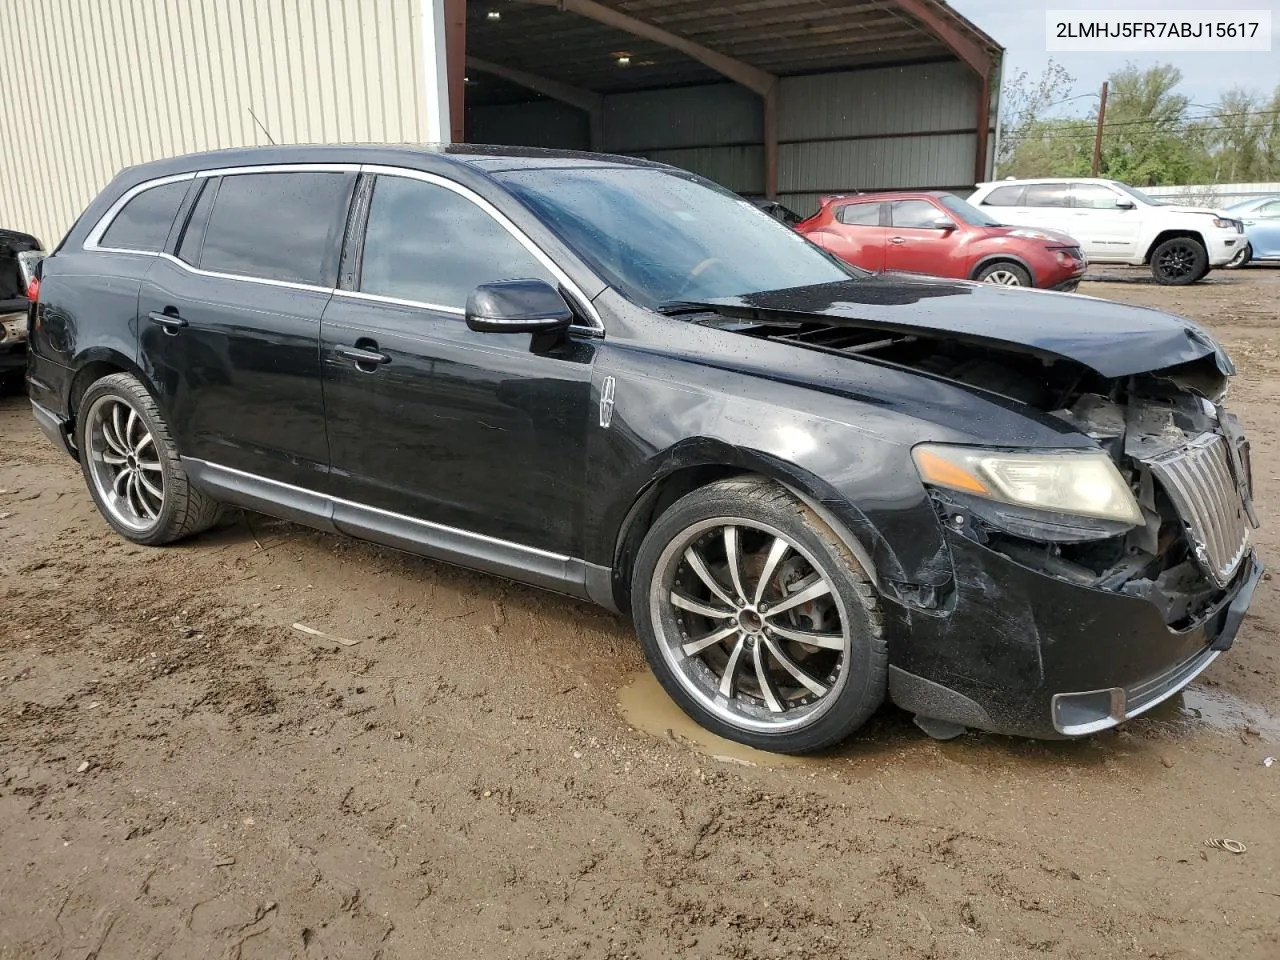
280, 168
443, 528
93, 241
214, 274
520, 236
379, 298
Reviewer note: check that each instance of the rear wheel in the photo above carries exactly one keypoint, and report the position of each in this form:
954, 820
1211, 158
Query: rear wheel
1004, 274
757, 620
1179, 261
131, 465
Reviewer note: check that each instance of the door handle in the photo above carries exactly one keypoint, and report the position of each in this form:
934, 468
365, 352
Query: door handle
361, 356
170, 321
897, 239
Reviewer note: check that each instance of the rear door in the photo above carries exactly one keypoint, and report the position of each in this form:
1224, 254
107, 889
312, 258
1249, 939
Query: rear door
230, 320
916, 245
858, 236
1007, 203
1103, 229
1044, 205
456, 432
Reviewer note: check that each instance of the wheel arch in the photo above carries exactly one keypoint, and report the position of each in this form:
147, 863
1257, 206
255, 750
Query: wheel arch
1003, 257
1172, 234
702, 464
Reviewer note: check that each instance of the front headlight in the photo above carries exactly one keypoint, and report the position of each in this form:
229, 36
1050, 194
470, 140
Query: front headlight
1222, 224
1028, 234
1084, 484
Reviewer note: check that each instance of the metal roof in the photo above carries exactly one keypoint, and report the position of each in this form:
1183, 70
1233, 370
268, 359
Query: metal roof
783, 37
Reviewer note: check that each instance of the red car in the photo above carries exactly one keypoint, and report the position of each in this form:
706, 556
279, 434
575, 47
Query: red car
939, 234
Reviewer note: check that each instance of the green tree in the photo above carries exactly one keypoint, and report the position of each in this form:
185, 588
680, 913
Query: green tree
1142, 134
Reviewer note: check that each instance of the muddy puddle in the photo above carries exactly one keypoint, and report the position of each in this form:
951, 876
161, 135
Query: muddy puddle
1213, 708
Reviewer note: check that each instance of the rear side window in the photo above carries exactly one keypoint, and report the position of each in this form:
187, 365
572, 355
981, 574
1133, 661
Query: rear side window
426, 243
914, 213
275, 226
144, 222
1047, 195
859, 214
1010, 196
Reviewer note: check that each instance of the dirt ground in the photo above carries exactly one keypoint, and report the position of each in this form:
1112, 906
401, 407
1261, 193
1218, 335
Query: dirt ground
489, 772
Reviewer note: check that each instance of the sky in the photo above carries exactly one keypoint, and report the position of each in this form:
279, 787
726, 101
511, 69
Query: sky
1019, 26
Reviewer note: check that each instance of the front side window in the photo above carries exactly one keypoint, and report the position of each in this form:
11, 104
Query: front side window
919, 214
859, 214
1047, 195
1093, 196
1008, 196
427, 243
276, 226
658, 236
1269, 211
144, 222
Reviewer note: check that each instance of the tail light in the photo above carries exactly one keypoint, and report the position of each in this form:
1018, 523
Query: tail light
33, 290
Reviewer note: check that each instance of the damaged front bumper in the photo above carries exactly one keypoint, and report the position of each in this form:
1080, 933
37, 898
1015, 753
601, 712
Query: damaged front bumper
1026, 653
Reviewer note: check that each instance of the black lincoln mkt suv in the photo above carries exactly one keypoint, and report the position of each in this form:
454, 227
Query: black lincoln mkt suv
810, 487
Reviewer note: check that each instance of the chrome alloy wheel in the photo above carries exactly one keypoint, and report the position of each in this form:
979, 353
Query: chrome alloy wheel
124, 464
1006, 278
752, 627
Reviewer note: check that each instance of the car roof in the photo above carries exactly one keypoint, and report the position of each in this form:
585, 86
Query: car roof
424, 156
882, 195
1013, 181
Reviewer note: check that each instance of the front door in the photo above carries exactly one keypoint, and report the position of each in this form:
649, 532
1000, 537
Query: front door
229, 328
857, 236
916, 245
1263, 227
480, 435
1105, 230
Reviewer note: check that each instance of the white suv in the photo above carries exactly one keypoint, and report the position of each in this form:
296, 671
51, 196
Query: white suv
1118, 224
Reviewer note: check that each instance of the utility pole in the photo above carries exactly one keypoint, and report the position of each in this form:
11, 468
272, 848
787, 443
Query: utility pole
1097, 137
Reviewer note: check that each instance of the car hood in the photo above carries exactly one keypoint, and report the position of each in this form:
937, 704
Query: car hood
1113, 339
1178, 208
1053, 236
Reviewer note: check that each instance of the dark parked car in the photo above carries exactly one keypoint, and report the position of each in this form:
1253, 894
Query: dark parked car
811, 488
17, 253
937, 233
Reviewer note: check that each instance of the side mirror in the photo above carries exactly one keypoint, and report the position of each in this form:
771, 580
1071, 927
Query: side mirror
517, 306
1125, 204
944, 223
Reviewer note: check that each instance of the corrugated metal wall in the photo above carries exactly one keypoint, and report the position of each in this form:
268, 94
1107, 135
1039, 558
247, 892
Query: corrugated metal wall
91, 87
881, 129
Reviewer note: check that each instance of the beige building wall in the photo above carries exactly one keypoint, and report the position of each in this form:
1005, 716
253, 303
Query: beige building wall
92, 86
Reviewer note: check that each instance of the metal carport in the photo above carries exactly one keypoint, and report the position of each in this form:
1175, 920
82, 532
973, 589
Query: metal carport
787, 98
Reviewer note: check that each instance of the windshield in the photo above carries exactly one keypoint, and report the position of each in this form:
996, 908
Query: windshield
967, 212
1138, 195
660, 237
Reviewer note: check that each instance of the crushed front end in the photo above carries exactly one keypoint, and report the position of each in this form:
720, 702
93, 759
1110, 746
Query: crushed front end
1072, 624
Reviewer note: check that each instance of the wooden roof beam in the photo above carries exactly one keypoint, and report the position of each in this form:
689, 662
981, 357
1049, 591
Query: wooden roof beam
588, 101
753, 78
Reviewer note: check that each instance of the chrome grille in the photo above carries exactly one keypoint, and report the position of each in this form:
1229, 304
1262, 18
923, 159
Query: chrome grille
1199, 481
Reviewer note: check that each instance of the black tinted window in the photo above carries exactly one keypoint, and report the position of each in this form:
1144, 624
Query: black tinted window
859, 214
914, 213
1047, 195
1005, 197
279, 226
425, 242
144, 222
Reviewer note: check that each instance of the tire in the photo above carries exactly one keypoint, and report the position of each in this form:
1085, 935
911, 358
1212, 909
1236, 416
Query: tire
1241, 259
1179, 261
1005, 274
119, 430
842, 675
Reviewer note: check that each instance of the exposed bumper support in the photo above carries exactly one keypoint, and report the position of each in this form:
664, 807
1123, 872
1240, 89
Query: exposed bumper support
54, 427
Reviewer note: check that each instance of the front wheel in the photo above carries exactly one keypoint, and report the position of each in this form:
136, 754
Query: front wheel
1005, 275
1242, 257
131, 465
1179, 261
757, 619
